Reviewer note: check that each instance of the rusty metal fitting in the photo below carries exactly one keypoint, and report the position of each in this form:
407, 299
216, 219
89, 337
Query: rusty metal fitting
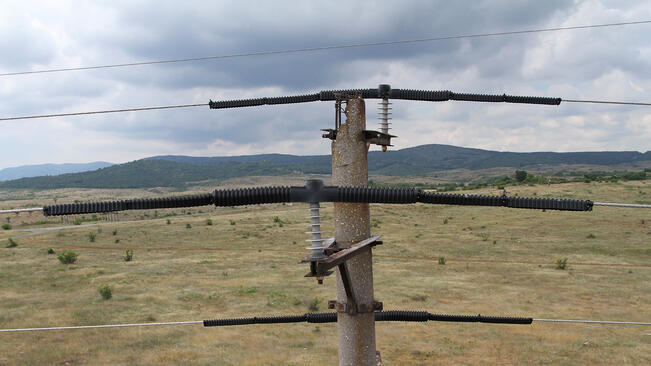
350, 309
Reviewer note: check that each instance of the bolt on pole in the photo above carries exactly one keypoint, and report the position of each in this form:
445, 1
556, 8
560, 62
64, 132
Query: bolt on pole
352, 224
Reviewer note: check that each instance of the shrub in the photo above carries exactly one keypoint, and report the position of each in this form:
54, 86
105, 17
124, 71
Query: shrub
67, 257
561, 263
169, 221
232, 222
50, 251
11, 243
128, 257
188, 226
6, 227
114, 232
441, 260
116, 241
591, 236
91, 237
315, 304
208, 222
445, 221
521, 175
105, 291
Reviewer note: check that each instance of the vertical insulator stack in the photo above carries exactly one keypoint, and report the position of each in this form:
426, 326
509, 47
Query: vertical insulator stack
316, 241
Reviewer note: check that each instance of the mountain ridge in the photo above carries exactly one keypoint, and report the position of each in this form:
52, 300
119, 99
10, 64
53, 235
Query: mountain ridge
36, 170
178, 170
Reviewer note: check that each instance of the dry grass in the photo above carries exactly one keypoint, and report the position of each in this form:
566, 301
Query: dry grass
498, 261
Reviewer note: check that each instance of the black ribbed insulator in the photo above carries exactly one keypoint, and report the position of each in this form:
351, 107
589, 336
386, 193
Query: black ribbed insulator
460, 199
424, 95
531, 100
549, 204
137, 204
255, 320
251, 196
513, 202
378, 195
479, 319
321, 317
504, 98
401, 316
293, 99
326, 95
383, 92
477, 97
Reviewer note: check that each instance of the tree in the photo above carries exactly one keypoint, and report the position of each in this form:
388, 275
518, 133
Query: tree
521, 175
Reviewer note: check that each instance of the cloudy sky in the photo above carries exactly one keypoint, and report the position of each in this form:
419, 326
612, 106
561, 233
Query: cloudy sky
604, 63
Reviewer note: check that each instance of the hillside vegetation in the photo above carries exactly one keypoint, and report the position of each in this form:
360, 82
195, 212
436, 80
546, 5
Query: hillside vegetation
178, 171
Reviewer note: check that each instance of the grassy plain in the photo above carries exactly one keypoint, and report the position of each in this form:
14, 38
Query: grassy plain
499, 261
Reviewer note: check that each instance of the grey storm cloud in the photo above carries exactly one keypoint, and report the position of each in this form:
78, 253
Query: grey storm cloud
607, 63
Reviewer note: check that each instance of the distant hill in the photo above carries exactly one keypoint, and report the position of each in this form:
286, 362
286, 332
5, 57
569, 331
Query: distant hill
173, 171
49, 169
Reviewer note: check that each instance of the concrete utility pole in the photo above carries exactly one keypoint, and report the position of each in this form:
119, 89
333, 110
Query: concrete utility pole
352, 225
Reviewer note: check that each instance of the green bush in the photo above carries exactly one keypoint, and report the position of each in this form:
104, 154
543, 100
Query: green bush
67, 257
128, 257
11, 243
188, 226
105, 291
315, 304
232, 222
208, 222
6, 227
521, 175
441, 260
91, 237
561, 263
50, 251
114, 232
169, 221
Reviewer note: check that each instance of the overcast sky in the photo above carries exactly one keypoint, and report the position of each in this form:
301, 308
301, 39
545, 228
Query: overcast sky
604, 63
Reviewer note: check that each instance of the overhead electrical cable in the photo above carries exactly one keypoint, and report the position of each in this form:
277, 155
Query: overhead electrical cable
281, 194
323, 48
331, 317
105, 111
382, 92
604, 102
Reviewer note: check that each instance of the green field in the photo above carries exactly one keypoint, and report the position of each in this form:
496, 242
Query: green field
498, 261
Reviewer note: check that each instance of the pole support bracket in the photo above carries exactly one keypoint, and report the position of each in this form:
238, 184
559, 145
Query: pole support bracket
320, 267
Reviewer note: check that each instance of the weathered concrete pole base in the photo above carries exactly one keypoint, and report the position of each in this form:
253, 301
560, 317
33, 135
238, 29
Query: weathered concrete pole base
352, 224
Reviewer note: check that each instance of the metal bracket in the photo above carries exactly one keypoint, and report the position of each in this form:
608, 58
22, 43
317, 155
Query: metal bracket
378, 138
319, 267
340, 98
331, 133
360, 308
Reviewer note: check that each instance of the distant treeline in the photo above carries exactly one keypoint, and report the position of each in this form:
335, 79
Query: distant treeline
521, 177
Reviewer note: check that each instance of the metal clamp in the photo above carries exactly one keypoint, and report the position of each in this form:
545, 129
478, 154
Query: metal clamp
319, 267
358, 309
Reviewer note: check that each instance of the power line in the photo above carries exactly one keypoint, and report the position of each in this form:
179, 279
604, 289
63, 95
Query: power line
18, 210
612, 204
324, 48
104, 111
591, 321
207, 104
605, 102
396, 315
101, 326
